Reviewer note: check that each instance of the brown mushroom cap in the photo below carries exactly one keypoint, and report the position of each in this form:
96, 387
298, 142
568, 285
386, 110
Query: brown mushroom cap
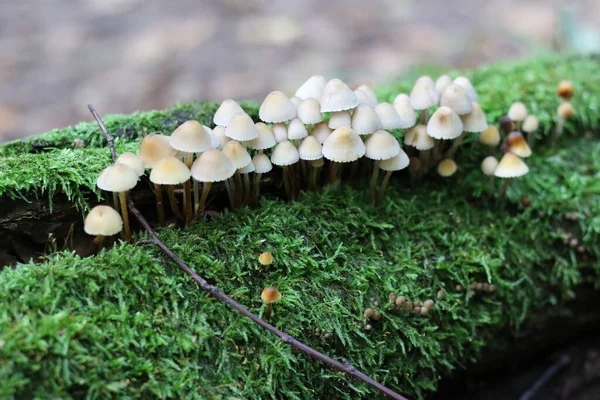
518, 145
565, 110
490, 136
170, 171
155, 147
270, 295
446, 168
103, 220
565, 89
191, 137
265, 258
117, 178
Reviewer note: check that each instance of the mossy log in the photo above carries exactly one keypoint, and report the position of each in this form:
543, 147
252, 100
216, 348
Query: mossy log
123, 324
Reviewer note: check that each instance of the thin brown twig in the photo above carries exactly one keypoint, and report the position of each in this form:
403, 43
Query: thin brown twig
344, 366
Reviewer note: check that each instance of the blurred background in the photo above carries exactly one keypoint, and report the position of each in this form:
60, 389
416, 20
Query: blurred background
56, 56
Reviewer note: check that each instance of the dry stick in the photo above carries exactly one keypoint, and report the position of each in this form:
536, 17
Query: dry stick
344, 366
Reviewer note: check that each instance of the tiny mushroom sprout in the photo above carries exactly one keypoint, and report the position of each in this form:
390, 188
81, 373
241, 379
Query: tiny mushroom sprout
517, 113
313, 87
488, 167
262, 165
442, 83
102, 221
530, 125
337, 96
490, 136
269, 296
265, 139
379, 146
154, 148
226, 111
240, 158
211, 166
342, 146
418, 138
515, 143
119, 178
309, 111
241, 128
169, 172
337, 119
388, 115
565, 89
296, 129
132, 161
408, 117
466, 83
365, 120
509, 167
265, 258
277, 107
446, 168
285, 155
390, 165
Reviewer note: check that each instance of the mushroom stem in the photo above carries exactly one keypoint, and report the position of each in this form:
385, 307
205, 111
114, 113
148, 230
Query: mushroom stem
238, 189
268, 311
424, 159
457, 142
125, 215
503, 188
435, 153
374, 178
286, 183
247, 189
256, 187
424, 116
187, 201
384, 184
558, 131
160, 208
173, 202
314, 171
304, 177
196, 196
116, 205
97, 244
492, 184
205, 190
229, 185
333, 171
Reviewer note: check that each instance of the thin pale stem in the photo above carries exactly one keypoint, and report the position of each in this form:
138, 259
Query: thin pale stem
247, 189
256, 187
160, 207
230, 186
457, 142
424, 116
424, 157
97, 244
286, 183
314, 172
503, 188
373, 184
205, 190
187, 201
196, 196
239, 189
492, 184
333, 171
173, 202
125, 215
384, 184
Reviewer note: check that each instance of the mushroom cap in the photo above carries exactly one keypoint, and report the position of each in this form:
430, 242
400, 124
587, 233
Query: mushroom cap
191, 137
277, 107
371, 96
321, 131
270, 295
212, 166
285, 154
388, 116
309, 111
153, 148
247, 169
466, 83
226, 111
365, 120
518, 145
423, 94
364, 98
337, 119
418, 138
565, 110
310, 149
237, 154
444, 124
475, 120
530, 124
446, 167
265, 139
511, 166
313, 87
280, 132
170, 171
381, 146
296, 129
132, 161
343, 145
103, 220
117, 178
337, 96
517, 111
296, 101
456, 97
441, 83
565, 89
489, 165
490, 136
265, 258
408, 117
396, 163
214, 140
241, 128
262, 164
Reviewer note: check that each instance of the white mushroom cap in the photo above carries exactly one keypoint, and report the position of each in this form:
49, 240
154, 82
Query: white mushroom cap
365, 120
132, 161
381, 146
442, 83
117, 178
212, 166
388, 116
265, 139
153, 148
490, 136
103, 220
262, 164
247, 169
531, 124
337, 119
518, 145
444, 124
517, 111
310, 149
337, 96
418, 138
170, 171
456, 97
511, 166
277, 107
237, 154
309, 111
241, 128
296, 130
296, 101
321, 131
214, 140
397, 163
408, 117
466, 83
343, 145
370, 94
446, 168
364, 98
226, 111
423, 94
191, 137
280, 132
313, 87
219, 134
285, 154
475, 120
489, 165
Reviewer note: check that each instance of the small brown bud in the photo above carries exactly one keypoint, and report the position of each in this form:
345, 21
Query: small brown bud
78, 143
581, 249
441, 294
408, 306
377, 316
417, 310
506, 124
565, 89
473, 285
400, 300
265, 258
573, 243
392, 297
417, 303
428, 304
485, 287
459, 288
479, 286
424, 310
492, 288
369, 313
525, 201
